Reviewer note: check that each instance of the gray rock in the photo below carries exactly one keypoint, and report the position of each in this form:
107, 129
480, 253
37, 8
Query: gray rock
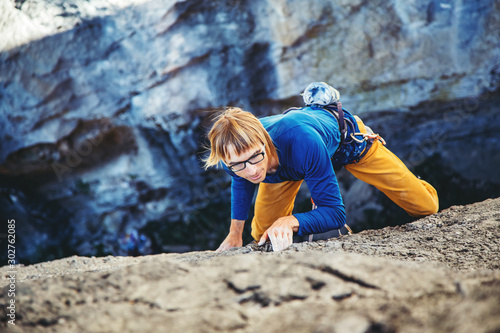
301, 289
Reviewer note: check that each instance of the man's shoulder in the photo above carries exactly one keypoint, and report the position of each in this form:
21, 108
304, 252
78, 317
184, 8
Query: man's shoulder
293, 122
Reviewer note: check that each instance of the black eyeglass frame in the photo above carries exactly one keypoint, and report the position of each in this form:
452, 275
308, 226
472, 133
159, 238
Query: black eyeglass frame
263, 153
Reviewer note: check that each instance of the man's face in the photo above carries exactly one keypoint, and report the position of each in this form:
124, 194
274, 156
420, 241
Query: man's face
254, 173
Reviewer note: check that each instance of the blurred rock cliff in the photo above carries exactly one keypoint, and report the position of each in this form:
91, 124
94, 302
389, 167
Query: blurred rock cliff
104, 105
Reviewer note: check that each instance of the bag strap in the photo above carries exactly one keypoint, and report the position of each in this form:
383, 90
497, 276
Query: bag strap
342, 123
339, 114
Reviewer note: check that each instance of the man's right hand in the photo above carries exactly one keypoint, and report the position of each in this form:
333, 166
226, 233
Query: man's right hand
232, 240
235, 236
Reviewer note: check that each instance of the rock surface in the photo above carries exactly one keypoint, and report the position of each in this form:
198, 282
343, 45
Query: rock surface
102, 107
438, 274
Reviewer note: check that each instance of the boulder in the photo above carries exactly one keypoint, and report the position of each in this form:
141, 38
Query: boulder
438, 274
104, 105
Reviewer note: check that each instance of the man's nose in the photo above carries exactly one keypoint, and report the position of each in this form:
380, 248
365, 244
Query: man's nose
251, 169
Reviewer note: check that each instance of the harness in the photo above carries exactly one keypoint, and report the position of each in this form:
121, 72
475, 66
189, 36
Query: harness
345, 123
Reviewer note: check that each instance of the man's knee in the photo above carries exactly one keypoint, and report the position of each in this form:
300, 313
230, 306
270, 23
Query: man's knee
426, 205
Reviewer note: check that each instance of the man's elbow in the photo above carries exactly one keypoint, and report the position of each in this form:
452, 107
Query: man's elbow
339, 217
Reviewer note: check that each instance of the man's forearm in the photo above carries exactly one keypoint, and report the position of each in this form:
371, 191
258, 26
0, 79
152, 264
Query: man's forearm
321, 220
237, 227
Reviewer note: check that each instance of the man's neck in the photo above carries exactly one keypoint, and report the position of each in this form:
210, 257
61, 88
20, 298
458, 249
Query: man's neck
273, 164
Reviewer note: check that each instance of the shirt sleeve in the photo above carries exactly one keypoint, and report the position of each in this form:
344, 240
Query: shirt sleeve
242, 192
322, 183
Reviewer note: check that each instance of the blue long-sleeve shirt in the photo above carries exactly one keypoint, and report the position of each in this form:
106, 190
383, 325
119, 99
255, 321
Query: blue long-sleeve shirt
306, 141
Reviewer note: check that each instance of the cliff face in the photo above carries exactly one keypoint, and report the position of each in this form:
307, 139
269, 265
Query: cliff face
438, 274
102, 106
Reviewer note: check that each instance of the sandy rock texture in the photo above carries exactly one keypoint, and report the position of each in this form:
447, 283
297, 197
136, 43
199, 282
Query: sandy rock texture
104, 105
438, 274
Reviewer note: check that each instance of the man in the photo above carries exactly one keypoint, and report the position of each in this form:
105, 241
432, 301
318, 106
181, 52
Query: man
280, 151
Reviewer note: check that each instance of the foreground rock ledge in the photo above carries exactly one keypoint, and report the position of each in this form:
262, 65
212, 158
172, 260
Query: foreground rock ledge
438, 274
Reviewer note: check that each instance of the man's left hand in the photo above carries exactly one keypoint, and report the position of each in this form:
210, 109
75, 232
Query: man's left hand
281, 232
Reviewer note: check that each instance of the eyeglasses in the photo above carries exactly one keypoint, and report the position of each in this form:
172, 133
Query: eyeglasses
257, 158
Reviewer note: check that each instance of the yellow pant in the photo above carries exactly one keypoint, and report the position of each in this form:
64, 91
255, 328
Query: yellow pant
379, 167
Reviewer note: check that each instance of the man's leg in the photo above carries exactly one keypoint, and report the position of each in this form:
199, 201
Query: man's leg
384, 170
273, 201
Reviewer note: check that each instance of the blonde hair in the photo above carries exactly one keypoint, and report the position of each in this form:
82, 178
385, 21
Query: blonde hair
238, 128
